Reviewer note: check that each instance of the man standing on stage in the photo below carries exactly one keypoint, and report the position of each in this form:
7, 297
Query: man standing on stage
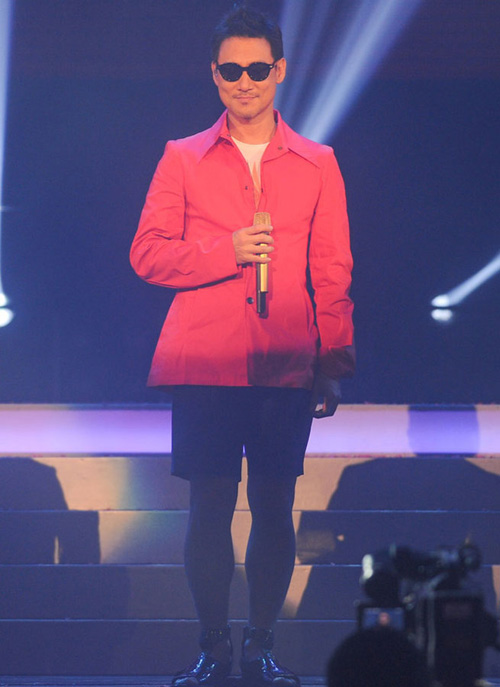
250, 359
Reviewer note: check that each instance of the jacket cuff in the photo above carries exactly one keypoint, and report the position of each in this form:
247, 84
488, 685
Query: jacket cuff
337, 362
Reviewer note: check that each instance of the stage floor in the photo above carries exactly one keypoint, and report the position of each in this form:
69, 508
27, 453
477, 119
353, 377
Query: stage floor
137, 681
117, 681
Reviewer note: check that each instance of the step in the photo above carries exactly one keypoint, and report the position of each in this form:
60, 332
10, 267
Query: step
125, 592
155, 647
145, 647
157, 537
92, 530
98, 483
159, 592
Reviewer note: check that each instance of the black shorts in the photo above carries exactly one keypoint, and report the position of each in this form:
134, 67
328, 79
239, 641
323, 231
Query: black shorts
212, 426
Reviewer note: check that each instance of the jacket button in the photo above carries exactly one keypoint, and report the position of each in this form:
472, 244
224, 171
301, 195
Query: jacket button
250, 300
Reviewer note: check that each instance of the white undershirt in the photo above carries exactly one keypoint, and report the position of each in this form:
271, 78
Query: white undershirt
253, 153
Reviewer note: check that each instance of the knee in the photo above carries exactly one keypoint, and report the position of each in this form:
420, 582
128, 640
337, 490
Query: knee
271, 504
212, 502
271, 495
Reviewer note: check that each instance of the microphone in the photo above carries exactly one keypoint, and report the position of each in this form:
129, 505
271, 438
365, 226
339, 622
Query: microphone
262, 268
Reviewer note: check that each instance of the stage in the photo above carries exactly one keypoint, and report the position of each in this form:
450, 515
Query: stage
92, 524
92, 528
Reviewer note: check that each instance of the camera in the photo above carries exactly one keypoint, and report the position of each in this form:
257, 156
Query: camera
431, 598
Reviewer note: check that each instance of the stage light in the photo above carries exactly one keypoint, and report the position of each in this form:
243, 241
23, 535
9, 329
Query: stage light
352, 56
313, 39
443, 315
6, 315
460, 292
302, 35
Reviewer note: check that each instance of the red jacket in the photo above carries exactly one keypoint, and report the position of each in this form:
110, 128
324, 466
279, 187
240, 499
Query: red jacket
202, 192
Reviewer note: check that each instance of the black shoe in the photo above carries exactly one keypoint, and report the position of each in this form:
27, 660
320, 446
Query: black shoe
265, 670
207, 670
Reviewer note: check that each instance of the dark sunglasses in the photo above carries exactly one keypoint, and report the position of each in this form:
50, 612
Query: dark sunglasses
257, 71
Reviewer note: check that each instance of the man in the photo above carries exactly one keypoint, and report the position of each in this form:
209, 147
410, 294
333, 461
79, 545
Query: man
245, 373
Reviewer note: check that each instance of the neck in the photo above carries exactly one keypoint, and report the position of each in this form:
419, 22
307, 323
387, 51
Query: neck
251, 131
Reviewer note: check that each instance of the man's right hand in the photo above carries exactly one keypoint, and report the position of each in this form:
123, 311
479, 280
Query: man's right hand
248, 244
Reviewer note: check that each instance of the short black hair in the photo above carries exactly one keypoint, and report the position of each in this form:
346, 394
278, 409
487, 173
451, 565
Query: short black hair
249, 23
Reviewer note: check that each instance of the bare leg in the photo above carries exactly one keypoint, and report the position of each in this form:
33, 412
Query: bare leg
271, 551
209, 558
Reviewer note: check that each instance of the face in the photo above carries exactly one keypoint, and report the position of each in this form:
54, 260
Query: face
248, 100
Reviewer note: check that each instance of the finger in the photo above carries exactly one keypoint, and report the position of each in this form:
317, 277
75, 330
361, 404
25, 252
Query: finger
261, 248
325, 408
318, 414
257, 254
261, 258
260, 228
262, 238
259, 239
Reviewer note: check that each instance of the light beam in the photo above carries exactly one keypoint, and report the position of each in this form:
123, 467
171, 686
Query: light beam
352, 59
460, 292
302, 36
6, 314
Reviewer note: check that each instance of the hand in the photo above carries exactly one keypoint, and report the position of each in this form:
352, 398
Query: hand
247, 244
326, 395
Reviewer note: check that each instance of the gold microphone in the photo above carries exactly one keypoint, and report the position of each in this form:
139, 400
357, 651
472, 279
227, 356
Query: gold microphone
262, 267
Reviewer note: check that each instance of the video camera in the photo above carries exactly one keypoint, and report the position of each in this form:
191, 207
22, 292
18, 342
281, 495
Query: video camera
430, 598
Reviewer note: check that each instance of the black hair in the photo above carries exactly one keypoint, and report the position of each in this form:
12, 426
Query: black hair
249, 23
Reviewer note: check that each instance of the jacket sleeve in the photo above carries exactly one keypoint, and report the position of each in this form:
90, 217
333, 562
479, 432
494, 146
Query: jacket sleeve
330, 265
160, 253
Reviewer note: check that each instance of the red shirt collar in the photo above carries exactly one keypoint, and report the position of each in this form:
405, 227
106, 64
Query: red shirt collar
284, 139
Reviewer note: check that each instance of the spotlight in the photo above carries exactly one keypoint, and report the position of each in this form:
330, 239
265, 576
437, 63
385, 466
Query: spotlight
6, 316
443, 315
352, 58
460, 292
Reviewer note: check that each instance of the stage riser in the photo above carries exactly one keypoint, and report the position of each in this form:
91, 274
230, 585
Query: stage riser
320, 592
95, 483
154, 648
91, 552
121, 537
143, 648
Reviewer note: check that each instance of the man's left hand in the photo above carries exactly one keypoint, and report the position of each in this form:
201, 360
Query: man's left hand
326, 395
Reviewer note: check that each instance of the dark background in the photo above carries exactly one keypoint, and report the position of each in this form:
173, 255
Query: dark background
98, 86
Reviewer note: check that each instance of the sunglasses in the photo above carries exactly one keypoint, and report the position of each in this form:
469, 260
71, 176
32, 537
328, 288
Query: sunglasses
257, 71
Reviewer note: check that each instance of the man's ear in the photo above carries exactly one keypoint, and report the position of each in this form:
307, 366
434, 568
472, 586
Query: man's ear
214, 72
280, 70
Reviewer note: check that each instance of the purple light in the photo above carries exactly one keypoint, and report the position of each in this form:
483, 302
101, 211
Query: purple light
359, 430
